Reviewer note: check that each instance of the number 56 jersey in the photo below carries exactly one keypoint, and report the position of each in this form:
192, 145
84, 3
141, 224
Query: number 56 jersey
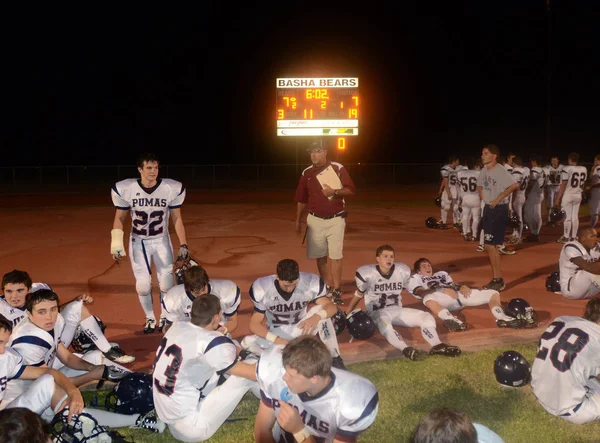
382, 291
149, 206
568, 356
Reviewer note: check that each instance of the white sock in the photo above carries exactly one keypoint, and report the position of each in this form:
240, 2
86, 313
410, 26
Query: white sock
162, 305
444, 215
394, 338
112, 419
146, 302
91, 328
431, 336
499, 313
444, 314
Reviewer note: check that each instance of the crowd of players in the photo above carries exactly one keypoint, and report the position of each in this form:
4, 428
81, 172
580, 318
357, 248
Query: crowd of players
291, 361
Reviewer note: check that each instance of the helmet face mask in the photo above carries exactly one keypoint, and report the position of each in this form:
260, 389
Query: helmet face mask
522, 311
360, 325
557, 214
81, 342
339, 322
553, 283
514, 221
181, 266
512, 369
83, 429
438, 202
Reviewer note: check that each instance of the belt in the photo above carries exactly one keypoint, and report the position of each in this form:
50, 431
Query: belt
342, 214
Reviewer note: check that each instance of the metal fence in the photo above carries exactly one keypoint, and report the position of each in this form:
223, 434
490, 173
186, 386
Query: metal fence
223, 176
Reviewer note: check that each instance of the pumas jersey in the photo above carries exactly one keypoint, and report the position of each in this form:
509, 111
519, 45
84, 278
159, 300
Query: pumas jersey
467, 182
280, 307
38, 347
568, 356
149, 206
12, 314
439, 280
537, 178
382, 291
187, 367
553, 175
344, 409
575, 177
567, 268
11, 367
178, 302
521, 175
449, 172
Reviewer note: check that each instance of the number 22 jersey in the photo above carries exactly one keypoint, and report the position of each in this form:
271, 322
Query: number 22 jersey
149, 206
382, 291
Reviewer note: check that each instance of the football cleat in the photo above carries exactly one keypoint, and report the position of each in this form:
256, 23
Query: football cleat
336, 296
117, 355
411, 353
338, 363
497, 284
563, 239
151, 422
161, 324
150, 326
512, 323
445, 350
455, 325
480, 248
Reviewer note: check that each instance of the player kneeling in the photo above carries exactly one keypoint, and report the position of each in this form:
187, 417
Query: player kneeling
305, 399
189, 361
442, 296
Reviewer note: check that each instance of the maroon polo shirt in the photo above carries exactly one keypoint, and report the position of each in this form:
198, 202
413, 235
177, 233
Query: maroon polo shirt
310, 192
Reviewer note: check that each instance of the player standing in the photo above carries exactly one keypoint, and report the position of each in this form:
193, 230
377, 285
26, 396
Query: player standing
553, 181
469, 201
532, 211
151, 201
521, 175
448, 190
573, 179
595, 192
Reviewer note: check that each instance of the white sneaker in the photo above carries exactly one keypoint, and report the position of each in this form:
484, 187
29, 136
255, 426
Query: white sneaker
480, 248
502, 250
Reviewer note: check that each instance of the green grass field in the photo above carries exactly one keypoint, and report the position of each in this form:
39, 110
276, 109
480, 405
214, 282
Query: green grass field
408, 390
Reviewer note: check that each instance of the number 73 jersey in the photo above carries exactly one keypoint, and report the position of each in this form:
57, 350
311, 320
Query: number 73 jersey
382, 291
149, 206
568, 356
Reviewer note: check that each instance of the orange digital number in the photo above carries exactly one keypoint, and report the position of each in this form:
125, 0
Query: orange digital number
309, 114
280, 115
290, 101
341, 143
323, 104
317, 93
352, 113
355, 98
341, 105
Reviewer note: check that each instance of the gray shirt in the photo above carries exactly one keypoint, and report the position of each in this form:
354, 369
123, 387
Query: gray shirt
494, 181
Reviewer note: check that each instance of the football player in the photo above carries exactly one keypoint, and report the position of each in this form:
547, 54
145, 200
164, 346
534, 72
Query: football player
595, 192
448, 191
305, 399
178, 301
469, 201
553, 180
15, 287
442, 295
188, 363
521, 175
573, 179
579, 269
151, 201
283, 301
381, 287
532, 211
565, 371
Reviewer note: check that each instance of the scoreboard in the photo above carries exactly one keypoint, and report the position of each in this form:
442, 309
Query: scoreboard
317, 106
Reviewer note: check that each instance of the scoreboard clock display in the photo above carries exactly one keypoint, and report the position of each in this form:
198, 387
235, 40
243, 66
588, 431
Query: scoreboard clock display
317, 106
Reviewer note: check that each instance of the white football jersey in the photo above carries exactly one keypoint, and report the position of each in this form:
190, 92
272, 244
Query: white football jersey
187, 367
280, 307
12, 314
568, 356
467, 181
575, 177
11, 367
149, 207
553, 175
38, 347
508, 167
178, 302
344, 409
440, 279
537, 178
595, 177
382, 291
521, 175
567, 269
449, 172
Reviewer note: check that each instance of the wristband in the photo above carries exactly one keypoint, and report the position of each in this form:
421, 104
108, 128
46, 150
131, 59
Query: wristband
302, 435
322, 313
271, 337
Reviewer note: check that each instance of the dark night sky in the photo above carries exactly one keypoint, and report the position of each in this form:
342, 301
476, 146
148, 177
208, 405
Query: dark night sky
198, 85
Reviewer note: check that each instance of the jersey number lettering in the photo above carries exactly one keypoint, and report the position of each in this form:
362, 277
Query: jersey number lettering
171, 371
578, 179
469, 184
141, 220
286, 319
524, 183
387, 301
570, 347
453, 180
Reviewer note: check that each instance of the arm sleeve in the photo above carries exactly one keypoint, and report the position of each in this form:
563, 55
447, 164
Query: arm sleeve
362, 284
221, 354
15, 364
356, 417
178, 194
118, 198
32, 348
346, 179
302, 190
231, 306
256, 295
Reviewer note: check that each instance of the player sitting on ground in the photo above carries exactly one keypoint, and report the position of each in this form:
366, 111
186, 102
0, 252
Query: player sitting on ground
565, 371
442, 295
304, 399
178, 301
579, 268
51, 391
189, 361
283, 299
381, 286
15, 287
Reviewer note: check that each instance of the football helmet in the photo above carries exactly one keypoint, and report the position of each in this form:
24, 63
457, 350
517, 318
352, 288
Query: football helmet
339, 321
132, 395
557, 214
431, 222
438, 201
181, 266
553, 282
81, 342
360, 325
83, 429
512, 369
585, 196
521, 310
513, 220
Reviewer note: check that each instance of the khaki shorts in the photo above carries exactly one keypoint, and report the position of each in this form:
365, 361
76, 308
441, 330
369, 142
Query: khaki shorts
325, 238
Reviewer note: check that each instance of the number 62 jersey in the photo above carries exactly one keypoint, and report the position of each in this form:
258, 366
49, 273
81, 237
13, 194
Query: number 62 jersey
149, 206
382, 291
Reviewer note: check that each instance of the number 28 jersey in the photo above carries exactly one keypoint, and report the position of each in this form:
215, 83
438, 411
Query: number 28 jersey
568, 356
149, 206
382, 291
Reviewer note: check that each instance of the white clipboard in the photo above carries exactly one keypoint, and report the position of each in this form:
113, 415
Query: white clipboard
330, 178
